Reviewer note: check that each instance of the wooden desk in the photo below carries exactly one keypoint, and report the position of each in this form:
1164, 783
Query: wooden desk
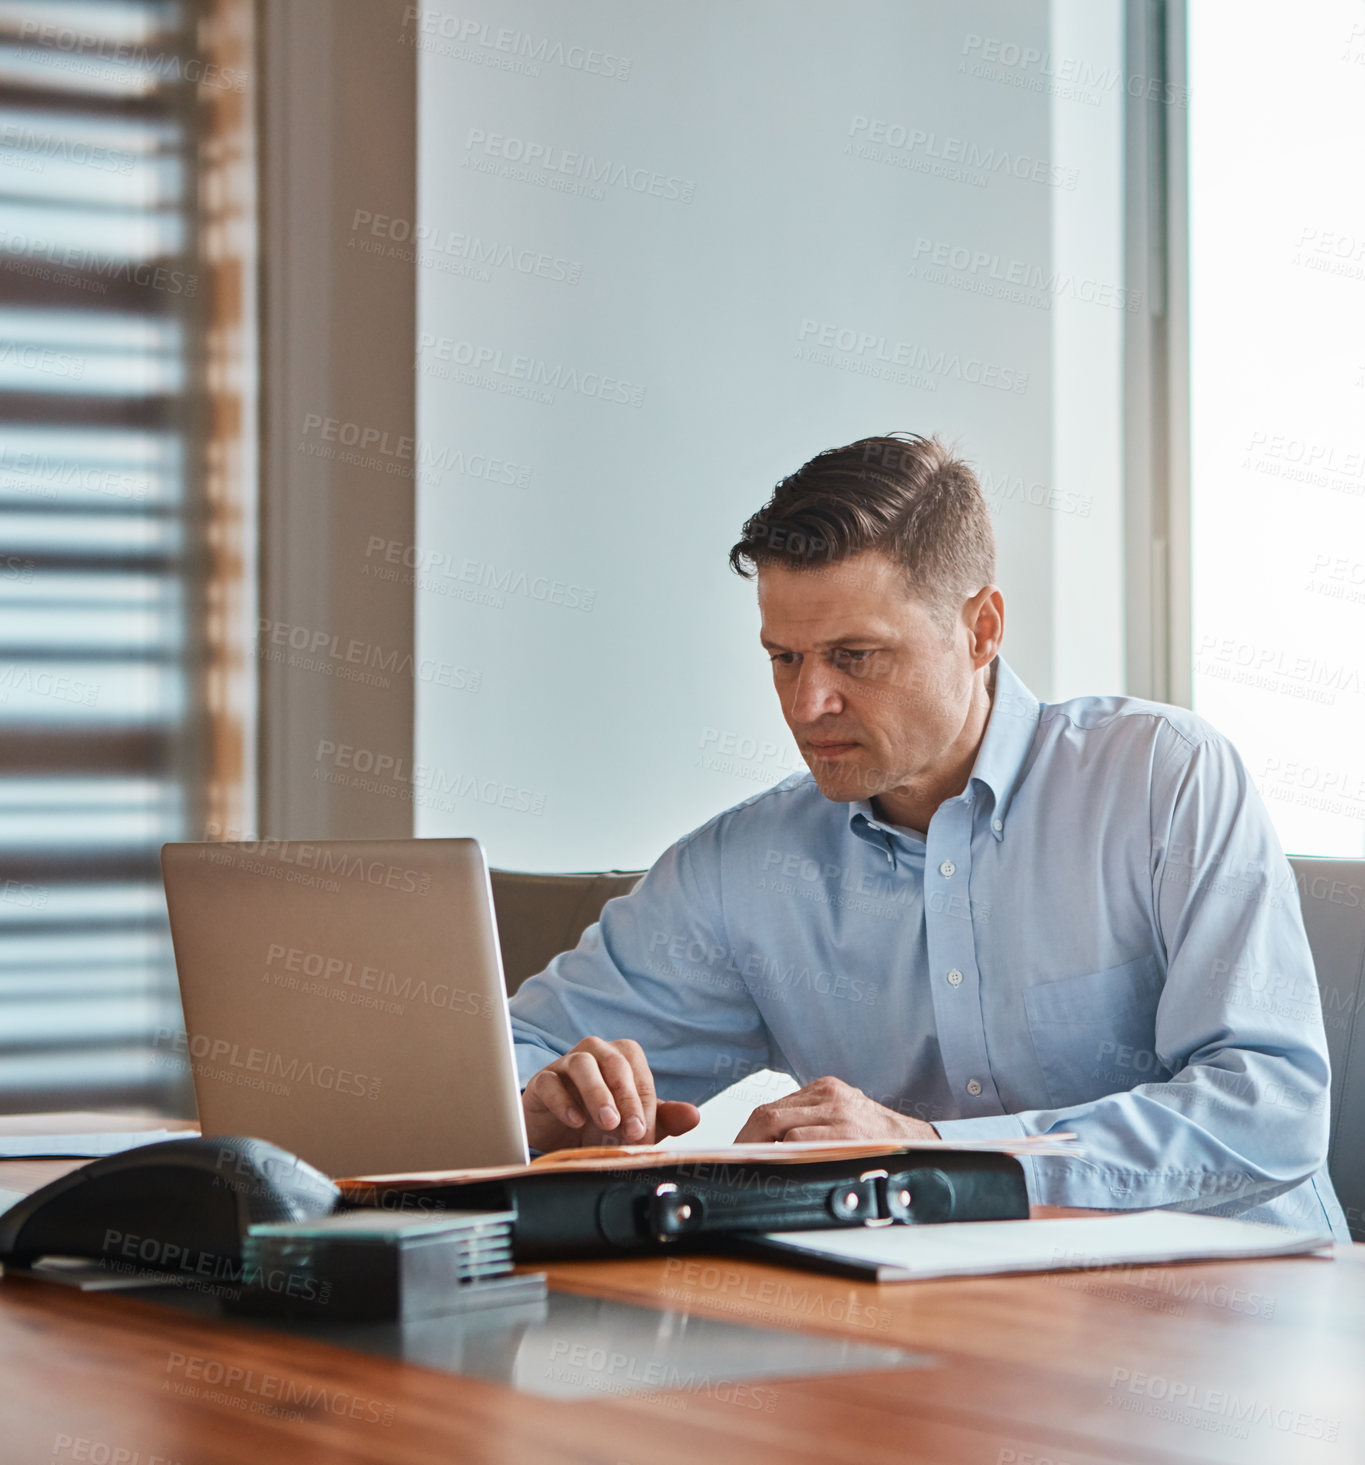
1262, 1359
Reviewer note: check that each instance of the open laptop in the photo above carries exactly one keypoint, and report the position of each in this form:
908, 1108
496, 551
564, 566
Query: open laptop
344, 999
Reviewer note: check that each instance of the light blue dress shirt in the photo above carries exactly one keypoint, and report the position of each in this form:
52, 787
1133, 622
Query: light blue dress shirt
1100, 935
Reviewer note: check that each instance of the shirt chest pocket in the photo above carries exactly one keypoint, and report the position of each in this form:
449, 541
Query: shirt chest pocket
1095, 1034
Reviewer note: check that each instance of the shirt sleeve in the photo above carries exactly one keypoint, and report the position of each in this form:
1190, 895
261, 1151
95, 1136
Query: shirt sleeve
1243, 1115
657, 967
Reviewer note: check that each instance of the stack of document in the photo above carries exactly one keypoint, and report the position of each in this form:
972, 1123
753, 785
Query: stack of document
85, 1135
647, 1157
88, 1146
978, 1248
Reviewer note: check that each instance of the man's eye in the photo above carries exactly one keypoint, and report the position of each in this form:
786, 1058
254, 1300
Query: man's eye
859, 663
783, 658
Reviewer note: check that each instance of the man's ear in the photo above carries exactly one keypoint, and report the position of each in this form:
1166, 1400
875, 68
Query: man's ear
984, 615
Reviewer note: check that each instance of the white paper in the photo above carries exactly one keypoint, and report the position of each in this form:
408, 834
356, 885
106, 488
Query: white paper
81, 1146
976, 1248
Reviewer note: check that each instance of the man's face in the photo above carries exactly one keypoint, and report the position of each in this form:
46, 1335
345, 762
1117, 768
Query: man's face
875, 691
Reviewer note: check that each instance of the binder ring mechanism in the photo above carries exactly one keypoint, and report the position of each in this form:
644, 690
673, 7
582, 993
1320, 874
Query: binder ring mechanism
875, 1198
674, 1213
883, 1215
925, 1193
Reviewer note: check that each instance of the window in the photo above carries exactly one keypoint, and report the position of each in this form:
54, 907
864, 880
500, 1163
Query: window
117, 529
1277, 289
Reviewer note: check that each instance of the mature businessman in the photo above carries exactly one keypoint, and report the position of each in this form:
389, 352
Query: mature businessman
975, 916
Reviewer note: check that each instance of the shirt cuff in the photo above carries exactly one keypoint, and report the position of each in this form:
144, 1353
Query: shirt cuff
992, 1126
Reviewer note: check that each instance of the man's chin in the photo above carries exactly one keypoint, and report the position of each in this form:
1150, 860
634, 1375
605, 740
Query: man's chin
845, 783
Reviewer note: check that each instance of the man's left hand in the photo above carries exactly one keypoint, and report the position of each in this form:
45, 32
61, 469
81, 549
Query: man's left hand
830, 1109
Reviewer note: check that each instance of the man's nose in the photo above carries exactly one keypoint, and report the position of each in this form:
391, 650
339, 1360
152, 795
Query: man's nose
816, 695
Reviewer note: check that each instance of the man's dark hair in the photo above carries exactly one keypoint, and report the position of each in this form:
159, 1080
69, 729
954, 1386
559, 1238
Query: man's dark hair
909, 497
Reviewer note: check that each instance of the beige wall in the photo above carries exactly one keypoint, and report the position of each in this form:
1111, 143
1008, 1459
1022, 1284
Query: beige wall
334, 649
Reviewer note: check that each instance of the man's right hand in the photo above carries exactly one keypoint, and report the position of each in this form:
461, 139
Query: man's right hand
600, 1093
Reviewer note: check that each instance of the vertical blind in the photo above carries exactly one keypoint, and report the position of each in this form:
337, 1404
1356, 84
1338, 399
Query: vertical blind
101, 520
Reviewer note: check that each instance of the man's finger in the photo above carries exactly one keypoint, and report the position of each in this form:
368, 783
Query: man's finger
620, 1076
771, 1121
634, 1055
673, 1116
765, 1124
584, 1070
548, 1092
821, 1133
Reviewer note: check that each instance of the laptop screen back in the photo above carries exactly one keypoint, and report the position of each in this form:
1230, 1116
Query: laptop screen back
344, 999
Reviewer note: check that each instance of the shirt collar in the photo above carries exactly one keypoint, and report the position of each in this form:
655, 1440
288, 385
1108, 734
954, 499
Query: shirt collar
1009, 736
999, 760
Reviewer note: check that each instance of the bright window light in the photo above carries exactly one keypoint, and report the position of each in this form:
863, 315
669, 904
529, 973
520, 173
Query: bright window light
1277, 285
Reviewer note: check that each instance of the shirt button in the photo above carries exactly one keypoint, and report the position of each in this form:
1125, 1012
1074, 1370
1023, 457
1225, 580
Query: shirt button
954, 978
997, 824
947, 868
973, 1087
